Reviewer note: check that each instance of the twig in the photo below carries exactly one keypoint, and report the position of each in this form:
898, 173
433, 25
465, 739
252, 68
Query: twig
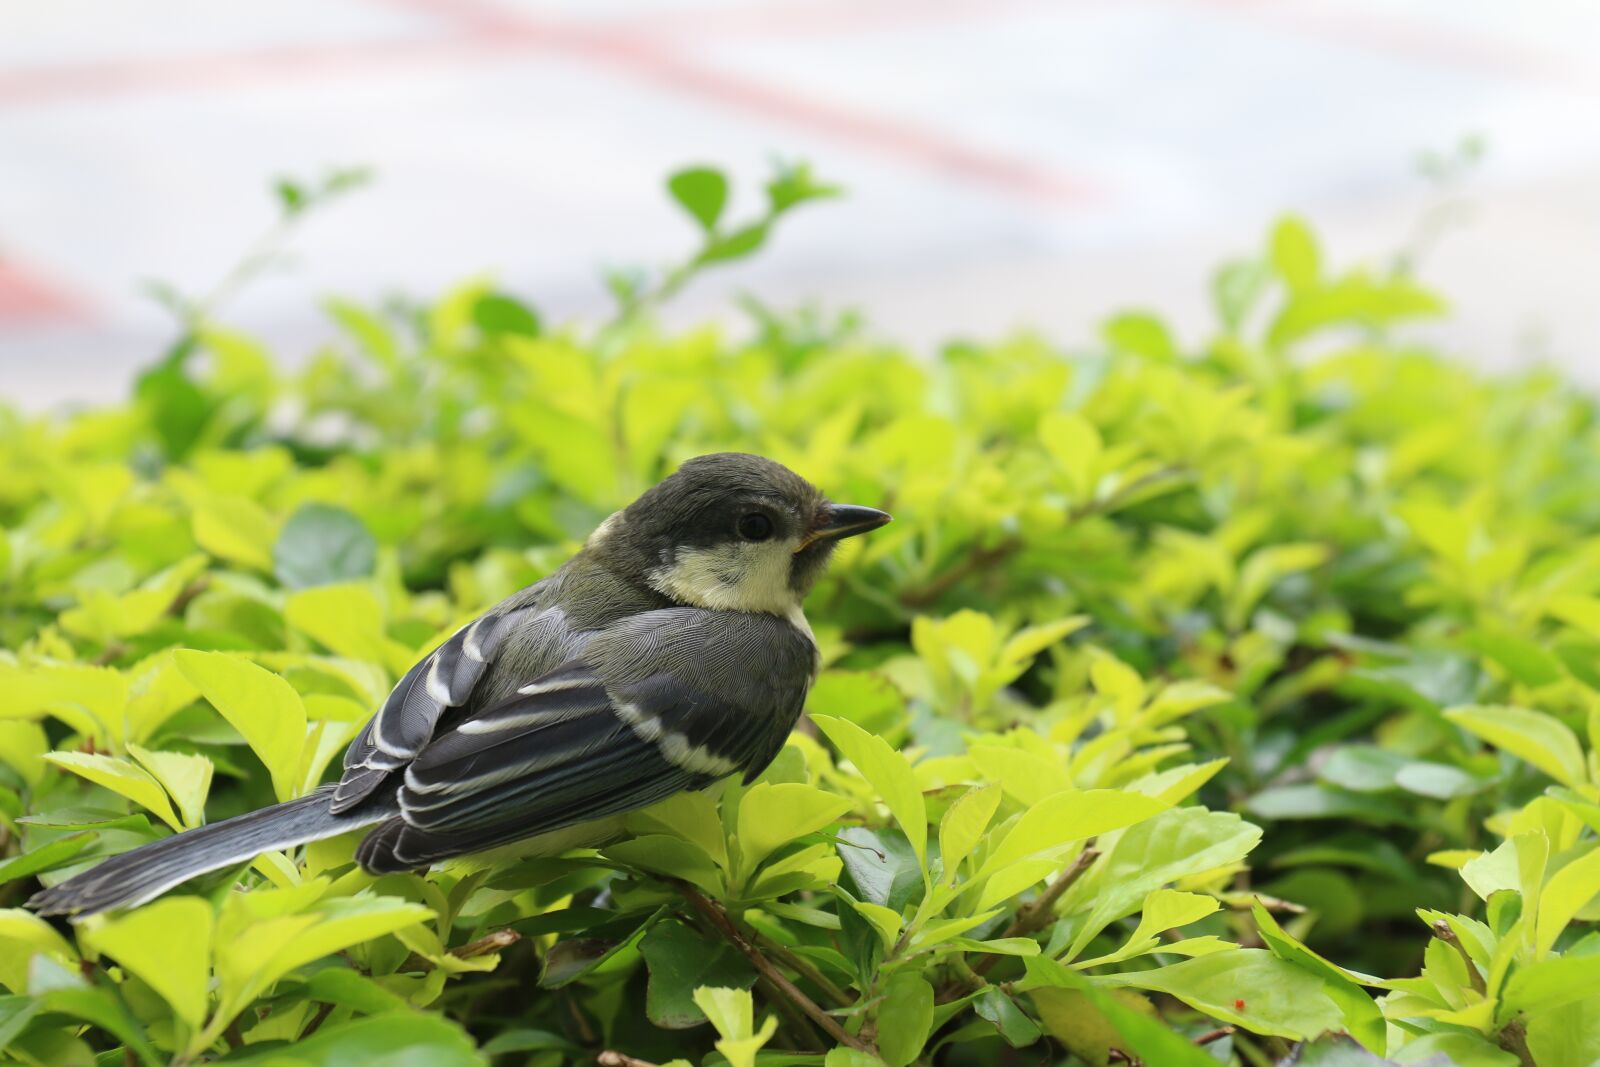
1513, 1038
612, 1058
493, 941
801, 1032
1214, 1035
1116, 1055
1030, 918
317, 1020
1037, 913
806, 969
718, 918
980, 559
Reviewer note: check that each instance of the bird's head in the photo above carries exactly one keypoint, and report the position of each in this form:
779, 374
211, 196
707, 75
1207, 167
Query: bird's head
731, 531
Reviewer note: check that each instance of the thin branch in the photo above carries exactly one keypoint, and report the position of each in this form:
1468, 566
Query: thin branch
493, 941
612, 1058
803, 1034
1030, 919
724, 925
979, 559
1214, 1035
1037, 913
805, 968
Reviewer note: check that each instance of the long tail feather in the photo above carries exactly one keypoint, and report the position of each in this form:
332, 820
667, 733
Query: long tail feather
146, 872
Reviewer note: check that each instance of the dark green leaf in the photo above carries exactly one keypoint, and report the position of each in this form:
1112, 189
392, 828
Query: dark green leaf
322, 544
1014, 1025
681, 961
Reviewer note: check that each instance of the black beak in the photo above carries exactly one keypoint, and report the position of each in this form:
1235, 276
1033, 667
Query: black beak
845, 520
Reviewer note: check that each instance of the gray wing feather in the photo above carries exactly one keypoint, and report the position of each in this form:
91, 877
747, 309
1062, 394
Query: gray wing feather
402, 728
667, 701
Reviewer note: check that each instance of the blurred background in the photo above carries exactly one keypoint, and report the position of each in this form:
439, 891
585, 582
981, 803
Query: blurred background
1010, 164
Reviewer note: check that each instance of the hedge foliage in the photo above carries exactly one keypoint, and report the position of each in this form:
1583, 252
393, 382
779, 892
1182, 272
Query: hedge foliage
1204, 699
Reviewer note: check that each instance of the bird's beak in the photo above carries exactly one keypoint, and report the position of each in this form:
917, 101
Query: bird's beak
844, 520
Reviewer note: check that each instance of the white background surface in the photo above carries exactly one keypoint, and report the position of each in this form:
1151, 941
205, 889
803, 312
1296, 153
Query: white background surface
1011, 163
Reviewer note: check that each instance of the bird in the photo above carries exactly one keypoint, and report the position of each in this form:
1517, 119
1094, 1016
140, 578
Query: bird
670, 652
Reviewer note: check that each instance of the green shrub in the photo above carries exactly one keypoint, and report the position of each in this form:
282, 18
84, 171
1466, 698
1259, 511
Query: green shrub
1184, 670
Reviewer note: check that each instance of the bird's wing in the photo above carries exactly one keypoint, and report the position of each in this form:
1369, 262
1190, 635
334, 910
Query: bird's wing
442, 680
671, 700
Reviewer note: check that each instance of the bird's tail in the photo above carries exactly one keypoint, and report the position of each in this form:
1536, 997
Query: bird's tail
150, 870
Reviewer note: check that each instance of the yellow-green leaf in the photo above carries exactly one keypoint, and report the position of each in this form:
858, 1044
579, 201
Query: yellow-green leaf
22, 935
168, 945
888, 772
1564, 895
770, 816
732, 1014
186, 778
1068, 816
1532, 736
963, 825
121, 777
263, 707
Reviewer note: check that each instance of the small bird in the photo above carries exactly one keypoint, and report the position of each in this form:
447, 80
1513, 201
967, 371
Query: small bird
670, 652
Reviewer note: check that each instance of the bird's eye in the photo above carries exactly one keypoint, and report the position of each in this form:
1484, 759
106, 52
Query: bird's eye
755, 527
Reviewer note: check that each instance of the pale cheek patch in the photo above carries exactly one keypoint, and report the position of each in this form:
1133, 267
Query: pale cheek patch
674, 747
732, 578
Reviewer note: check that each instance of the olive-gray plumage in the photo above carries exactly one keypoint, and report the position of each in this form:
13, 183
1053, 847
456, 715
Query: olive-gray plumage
668, 653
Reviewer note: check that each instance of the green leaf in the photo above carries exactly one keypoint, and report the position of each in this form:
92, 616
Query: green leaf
736, 245
1568, 1036
168, 945
1069, 816
865, 698
1172, 845
186, 778
1362, 768
1015, 1027
1362, 1018
905, 1018
1091, 1021
1140, 333
409, 1039
121, 777
22, 935
680, 961
1565, 894
963, 825
236, 529
101, 1008
497, 313
1249, 988
1293, 252
888, 772
771, 816
1073, 442
1550, 983
702, 192
264, 935
1163, 909
732, 1014
47, 857
882, 865
265, 710
1532, 736
322, 544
